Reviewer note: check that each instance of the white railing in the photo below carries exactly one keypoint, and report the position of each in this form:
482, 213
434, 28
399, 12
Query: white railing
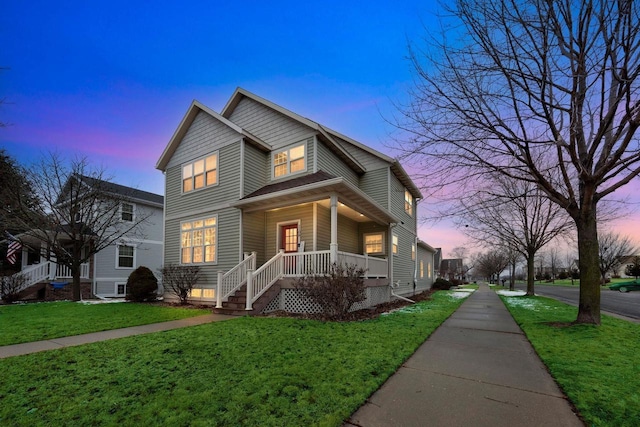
44, 271
296, 264
35, 273
259, 281
373, 267
233, 279
64, 272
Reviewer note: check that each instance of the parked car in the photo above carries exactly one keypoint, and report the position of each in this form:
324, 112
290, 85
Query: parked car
625, 287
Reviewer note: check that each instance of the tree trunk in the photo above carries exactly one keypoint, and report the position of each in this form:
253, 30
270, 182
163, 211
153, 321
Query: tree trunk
75, 273
512, 281
589, 305
531, 275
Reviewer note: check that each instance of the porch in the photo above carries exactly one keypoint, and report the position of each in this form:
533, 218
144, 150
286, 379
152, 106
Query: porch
50, 271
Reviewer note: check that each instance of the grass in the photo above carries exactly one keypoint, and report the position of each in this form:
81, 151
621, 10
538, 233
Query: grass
596, 366
576, 282
249, 371
21, 323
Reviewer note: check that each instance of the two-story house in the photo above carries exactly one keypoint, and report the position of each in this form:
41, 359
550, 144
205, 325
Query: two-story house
105, 275
258, 195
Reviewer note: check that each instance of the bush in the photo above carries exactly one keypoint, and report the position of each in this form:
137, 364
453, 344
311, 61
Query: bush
575, 274
336, 291
441, 285
10, 286
563, 275
142, 285
180, 279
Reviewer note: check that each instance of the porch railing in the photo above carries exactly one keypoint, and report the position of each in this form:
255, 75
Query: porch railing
373, 267
297, 264
40, 272
233, 279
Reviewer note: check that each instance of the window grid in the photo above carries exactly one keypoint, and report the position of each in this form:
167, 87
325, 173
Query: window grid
125, 256
373, 243
198, 241
126, 212
408, 202
289, 161
395, 244
200, 173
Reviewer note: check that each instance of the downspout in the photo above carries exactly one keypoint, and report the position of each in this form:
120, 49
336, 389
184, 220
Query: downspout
390, 247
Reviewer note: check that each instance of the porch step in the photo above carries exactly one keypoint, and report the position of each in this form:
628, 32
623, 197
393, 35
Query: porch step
236, 304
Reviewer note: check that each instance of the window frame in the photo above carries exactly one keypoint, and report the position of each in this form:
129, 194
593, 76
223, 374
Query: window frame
289, 160
205, 171
408, 202
133, 212
203, 237
422, 269
395, 245
118, 256
382, 243
413, 252
115, 290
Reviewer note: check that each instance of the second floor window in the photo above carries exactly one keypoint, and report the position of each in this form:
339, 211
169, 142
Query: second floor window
408, 202
126, 212
394, 247
289, 161
200, 173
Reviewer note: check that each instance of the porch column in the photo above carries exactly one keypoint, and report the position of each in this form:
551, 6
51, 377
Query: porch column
333, 247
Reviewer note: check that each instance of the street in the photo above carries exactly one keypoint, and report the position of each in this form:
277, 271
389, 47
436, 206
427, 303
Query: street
624, 304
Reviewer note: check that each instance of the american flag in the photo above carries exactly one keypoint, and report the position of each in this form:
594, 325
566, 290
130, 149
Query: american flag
12, 250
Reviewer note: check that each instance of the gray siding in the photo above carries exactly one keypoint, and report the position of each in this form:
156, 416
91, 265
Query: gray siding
254, 235
147, 239
329, 162
374, 184
272, 127
425, 282
304, 213
204, 136
256, 169
397, 205
366, 159
348, 237
403, 265
227, 190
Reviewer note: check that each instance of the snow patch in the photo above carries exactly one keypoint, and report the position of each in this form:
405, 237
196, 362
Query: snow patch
460, 293
102, 301
511, 293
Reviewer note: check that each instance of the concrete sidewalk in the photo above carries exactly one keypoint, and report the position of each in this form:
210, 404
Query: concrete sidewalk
34, 347
476, 369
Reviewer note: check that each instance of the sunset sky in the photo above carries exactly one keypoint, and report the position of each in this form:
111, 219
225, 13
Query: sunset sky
112, 81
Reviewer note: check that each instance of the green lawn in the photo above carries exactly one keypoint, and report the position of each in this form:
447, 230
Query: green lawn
597, 367
248, 371
576, 282
40, 321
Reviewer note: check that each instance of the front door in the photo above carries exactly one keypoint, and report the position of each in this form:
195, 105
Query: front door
289, 238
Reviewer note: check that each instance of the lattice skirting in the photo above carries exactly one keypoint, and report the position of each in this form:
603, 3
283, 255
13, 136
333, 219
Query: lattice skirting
293, 301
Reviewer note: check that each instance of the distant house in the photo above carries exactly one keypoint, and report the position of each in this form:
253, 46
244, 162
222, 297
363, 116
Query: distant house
260, 195
626, 261
107, 271
452, 269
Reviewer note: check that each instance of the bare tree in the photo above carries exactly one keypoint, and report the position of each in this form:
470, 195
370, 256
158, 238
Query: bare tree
514, 257
540, 91
79, 212
570, 262
516, 214
613, 247
555, 261
491, 263
462, 253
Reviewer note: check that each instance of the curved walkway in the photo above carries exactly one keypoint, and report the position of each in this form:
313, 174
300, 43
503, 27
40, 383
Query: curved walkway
36, 346
476, 369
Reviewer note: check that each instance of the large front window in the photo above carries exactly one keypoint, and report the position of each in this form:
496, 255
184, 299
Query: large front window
199, 241
373, 243
289, 161
200, 173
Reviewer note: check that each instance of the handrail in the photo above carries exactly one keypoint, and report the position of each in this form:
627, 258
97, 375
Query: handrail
233, 279
34, 274
259, 281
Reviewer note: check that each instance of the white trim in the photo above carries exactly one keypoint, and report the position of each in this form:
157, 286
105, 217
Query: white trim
204, 172
315, 227
134, 247
364, 242
216, 245
115, 288
241, 192
142, 241
279, 226
133, 211
315, 154
201, 212
303, 144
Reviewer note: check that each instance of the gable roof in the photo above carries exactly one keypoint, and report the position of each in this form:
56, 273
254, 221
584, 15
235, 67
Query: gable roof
127, 192
328, 136
195, 108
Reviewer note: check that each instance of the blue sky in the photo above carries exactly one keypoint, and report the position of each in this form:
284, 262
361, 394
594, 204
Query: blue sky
112, 80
